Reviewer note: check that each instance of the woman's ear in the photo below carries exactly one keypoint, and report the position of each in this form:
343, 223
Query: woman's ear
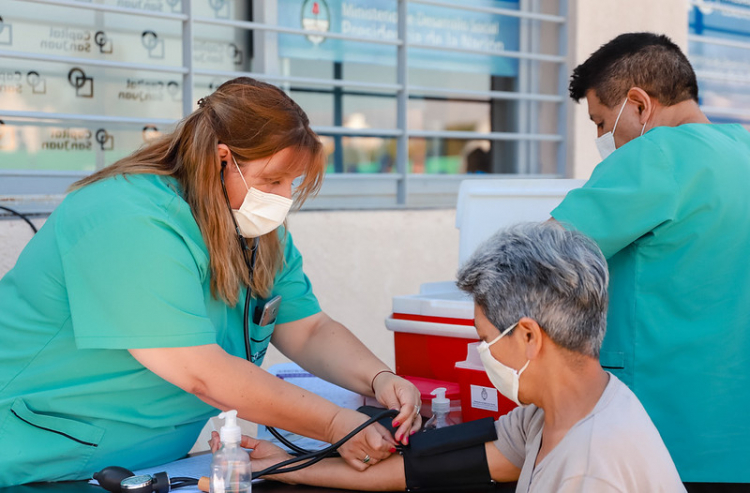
532, 337
225, 155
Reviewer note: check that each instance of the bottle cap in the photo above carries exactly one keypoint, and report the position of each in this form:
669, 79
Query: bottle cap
440, 404
230, 432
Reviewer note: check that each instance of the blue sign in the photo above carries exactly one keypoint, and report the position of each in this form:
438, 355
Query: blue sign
723, 71
429, 25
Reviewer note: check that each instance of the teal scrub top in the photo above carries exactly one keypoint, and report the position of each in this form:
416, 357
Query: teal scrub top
120, 264
670, 211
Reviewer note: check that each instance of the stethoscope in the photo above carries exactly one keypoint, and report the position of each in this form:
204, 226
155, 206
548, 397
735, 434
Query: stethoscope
250, 262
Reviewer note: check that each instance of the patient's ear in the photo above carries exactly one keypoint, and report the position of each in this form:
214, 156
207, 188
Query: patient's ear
532, 336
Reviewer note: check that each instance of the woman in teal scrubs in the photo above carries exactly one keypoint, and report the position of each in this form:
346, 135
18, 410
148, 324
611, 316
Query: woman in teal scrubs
122, 322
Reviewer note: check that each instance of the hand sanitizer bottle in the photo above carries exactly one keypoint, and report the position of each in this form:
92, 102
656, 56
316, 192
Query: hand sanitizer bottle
441, 407
230, 466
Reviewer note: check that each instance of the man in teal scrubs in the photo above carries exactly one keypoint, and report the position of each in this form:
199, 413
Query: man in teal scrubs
669, 209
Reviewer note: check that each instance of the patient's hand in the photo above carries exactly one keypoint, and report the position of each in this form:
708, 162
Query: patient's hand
264, 454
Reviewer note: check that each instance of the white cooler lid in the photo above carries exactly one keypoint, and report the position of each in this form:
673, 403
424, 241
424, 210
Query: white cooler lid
436, 299
431, 328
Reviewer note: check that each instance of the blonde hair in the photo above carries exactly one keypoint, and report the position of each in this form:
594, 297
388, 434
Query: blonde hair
255, 120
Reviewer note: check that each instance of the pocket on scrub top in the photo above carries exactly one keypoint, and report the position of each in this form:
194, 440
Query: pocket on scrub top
260, 338
612, 359
40, 446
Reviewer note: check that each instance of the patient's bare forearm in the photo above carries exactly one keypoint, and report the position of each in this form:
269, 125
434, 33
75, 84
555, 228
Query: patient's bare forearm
387, 475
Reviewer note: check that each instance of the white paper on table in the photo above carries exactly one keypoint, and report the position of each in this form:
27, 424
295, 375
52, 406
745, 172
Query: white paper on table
294, 374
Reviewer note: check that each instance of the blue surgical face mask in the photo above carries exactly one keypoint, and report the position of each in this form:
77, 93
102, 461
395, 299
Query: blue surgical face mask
504, 378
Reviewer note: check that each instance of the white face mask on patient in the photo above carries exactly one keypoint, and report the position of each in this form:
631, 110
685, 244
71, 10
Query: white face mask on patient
260, 212
606, 143
504, 378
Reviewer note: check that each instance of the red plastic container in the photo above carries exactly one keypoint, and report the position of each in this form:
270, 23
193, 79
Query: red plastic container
431, 331
429, 356
479, 398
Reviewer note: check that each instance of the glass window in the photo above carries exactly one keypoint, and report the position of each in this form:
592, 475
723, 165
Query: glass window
480, 92
719, 50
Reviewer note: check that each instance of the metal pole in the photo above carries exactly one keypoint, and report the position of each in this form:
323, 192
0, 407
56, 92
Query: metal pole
533, 106
402, 101
187, 59
562, 115
524, 109
338, 120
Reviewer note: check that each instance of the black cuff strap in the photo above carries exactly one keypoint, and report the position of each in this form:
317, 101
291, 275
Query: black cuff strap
449, 457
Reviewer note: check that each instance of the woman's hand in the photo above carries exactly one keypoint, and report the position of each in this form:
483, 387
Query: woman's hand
367, 447
398, 393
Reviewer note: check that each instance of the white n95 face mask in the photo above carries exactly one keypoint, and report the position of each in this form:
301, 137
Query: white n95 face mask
606, 143
260, 212
504, 378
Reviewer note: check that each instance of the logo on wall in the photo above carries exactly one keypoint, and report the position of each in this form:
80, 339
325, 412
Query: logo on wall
175, 5
316, 17
150, 133
155, 46
105, 139
6, 32
84, 85
37, 83
235, 53
220, 8
173, 89
103, 42
11, 81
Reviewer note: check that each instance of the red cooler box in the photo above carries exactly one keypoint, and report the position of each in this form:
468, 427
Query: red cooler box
431, 331
479, 398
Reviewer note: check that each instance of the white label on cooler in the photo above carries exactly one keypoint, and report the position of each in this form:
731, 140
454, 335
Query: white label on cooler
484, 398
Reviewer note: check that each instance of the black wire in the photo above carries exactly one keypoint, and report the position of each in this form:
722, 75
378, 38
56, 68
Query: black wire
249, 262
319, 455
22, 216
294, 448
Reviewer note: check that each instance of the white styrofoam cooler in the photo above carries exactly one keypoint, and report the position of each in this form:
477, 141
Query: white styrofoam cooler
485, 206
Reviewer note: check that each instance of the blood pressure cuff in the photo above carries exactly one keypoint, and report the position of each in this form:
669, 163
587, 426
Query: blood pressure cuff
450, 457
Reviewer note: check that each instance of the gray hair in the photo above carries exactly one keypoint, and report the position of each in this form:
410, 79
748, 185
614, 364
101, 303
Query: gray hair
542, 271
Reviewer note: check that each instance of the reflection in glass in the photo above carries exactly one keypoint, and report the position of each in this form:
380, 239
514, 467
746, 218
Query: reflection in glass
362, 154
70, 146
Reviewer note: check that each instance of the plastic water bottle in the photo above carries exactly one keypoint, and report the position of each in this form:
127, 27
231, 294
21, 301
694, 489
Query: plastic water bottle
230, 466
441, 407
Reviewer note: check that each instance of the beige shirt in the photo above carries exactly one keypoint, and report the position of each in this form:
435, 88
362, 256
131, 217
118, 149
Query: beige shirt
615, 448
